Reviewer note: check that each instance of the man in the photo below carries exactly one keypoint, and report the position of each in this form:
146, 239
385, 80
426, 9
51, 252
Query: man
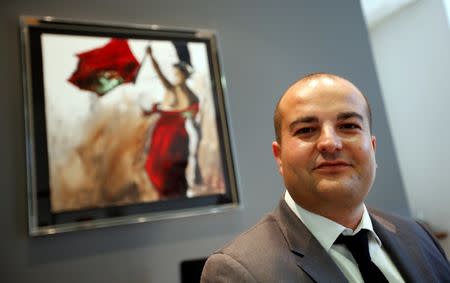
325, 153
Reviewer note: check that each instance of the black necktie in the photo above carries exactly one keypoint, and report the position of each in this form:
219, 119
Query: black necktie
359, 247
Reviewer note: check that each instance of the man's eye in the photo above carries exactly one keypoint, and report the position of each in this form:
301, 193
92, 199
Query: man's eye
306, 130
350, 126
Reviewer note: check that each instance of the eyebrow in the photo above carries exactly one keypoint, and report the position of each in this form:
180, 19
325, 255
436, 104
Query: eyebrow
305, 119
314, 119
348, 115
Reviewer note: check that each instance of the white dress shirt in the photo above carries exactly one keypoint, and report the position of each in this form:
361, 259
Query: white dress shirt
326, 232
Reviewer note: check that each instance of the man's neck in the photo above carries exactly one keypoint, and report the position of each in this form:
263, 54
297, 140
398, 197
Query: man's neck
349, 218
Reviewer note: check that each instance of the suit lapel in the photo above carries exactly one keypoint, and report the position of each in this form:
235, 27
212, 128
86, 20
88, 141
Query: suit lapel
310, 255
399, 248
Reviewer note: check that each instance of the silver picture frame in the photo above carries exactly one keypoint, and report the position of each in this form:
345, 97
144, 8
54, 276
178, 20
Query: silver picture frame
123, 123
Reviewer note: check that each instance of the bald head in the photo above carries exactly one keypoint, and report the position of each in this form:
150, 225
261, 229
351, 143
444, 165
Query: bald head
308, 83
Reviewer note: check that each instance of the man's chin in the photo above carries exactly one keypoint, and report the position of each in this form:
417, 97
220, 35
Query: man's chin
341, 186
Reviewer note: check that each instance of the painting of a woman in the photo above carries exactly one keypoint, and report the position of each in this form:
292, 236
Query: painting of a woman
174, 133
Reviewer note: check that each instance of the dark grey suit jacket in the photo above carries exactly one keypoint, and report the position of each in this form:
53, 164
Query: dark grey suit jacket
281, 249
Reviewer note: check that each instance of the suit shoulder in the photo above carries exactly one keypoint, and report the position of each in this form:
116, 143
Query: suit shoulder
223, 268
261, 253
407, 227
266, 231
391, 220
388, 215
400, 224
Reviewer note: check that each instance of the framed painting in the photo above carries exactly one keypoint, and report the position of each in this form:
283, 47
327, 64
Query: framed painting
124, 124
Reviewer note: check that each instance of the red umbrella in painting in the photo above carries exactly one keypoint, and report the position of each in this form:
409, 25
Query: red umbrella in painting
102, 69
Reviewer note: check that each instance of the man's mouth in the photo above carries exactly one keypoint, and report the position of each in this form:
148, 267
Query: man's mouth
332, 165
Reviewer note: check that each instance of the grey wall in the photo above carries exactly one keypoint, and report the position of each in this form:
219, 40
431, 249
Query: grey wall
265, 46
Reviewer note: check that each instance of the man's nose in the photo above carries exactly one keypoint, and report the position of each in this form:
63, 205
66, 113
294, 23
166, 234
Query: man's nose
329, 140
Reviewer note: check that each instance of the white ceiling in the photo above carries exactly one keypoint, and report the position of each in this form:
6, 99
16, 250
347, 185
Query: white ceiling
376, 11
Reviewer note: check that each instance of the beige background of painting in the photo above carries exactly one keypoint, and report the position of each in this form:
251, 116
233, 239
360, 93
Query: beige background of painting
96, 144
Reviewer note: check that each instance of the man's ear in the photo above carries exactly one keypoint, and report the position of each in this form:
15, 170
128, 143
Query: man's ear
276, 150
374, 143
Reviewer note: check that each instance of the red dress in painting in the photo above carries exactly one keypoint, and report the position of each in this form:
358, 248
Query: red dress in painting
169, 150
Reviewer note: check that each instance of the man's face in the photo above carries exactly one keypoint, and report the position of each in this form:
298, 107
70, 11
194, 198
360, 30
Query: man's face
327, 154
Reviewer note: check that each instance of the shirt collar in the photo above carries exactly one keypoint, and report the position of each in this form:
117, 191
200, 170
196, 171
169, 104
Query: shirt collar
325, 230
